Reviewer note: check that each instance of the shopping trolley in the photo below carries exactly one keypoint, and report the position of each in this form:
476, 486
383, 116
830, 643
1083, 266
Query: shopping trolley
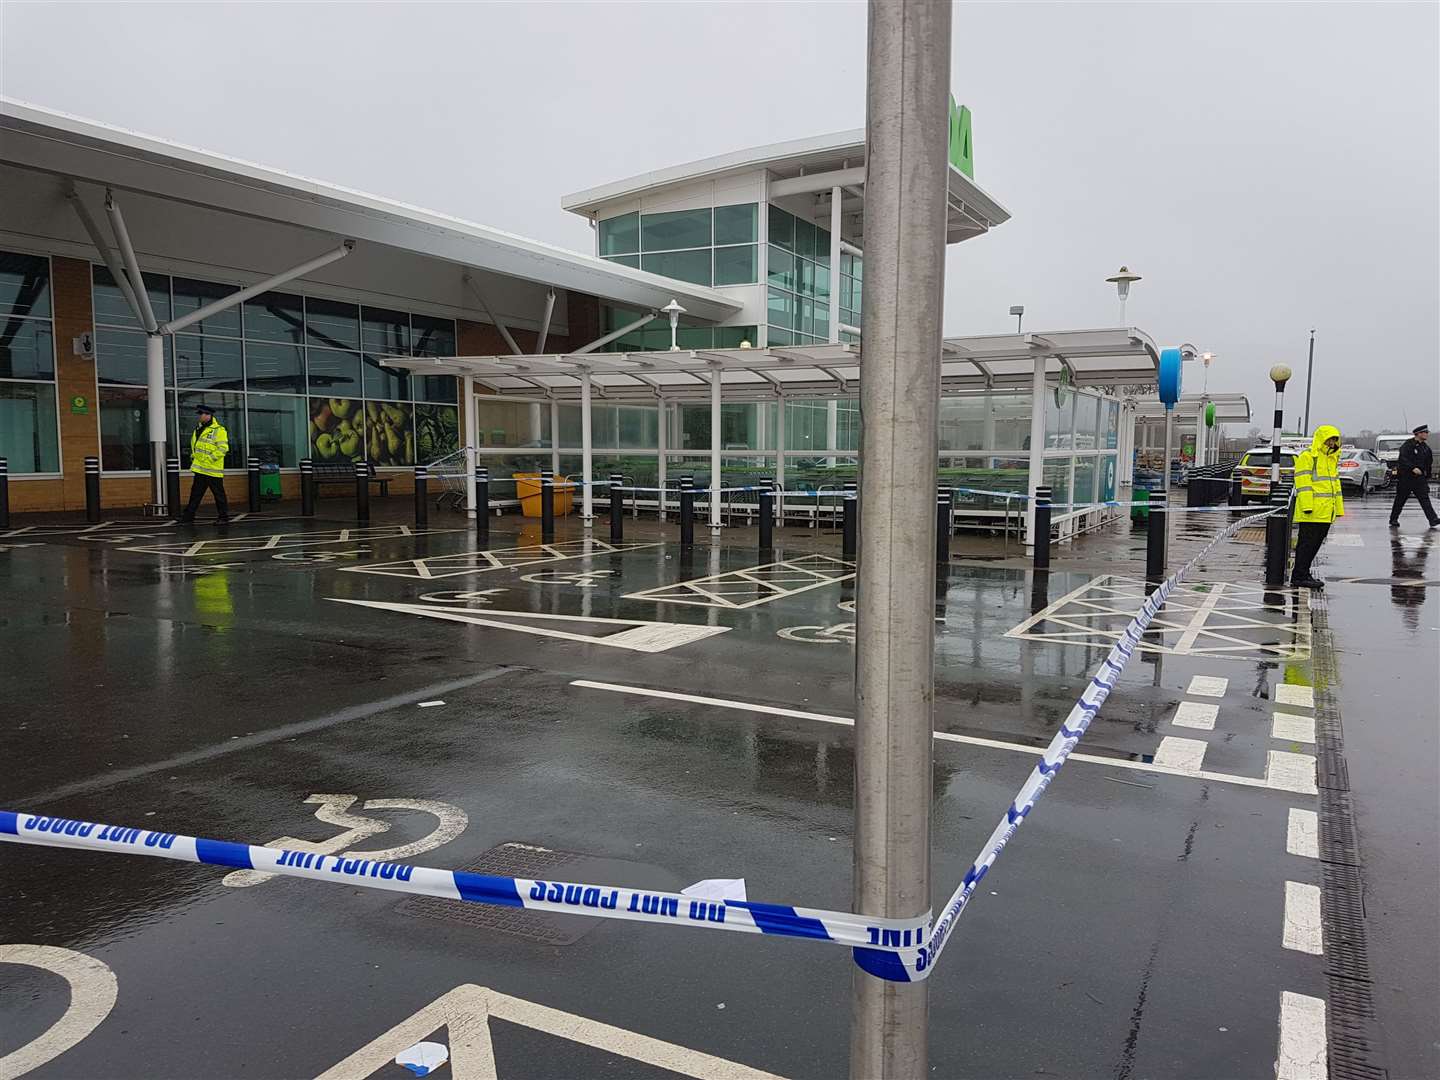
451, 471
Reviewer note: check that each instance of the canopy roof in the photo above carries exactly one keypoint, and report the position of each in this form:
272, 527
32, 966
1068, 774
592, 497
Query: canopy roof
1229, 408
1093, 357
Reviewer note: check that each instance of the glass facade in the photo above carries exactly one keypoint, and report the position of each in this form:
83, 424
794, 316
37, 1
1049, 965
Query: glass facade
291, 377
29, 423
798, 281
712, 246
654, 336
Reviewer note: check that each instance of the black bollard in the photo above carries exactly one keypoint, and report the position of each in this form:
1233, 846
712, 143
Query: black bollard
687, 511
362, 491
422, 500
1155, 539
617, 507
252, 477
767, 516
172, 486
307, 487
1277, 537
92, 489
943, 524
4, 493
850, 525
482, 506
1041, 537
547, 506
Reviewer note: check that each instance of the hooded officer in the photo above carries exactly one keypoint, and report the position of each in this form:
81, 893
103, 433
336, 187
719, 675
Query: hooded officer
1317, 501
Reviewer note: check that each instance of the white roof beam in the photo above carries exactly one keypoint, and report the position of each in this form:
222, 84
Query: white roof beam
225, 303
822, 181
494, 319
132, 266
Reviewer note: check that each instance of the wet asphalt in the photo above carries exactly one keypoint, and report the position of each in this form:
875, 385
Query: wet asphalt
1133, 929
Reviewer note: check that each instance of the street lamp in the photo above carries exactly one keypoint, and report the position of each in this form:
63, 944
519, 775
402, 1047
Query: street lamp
1309, 378
1279, 375
1122, 280
1018, 310
674, 310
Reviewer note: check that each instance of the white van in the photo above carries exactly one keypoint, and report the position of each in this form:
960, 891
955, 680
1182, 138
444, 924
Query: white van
1387, 449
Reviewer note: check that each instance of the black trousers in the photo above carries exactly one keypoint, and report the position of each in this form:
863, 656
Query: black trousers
199, 484
1307, 544
1405, 486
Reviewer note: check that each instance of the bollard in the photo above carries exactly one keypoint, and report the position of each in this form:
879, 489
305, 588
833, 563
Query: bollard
307, 487
172, 486
547, 506
943, 524
617, 508
92, 489
422, 501
1041, 537
482, 506
4, 493
1155, 539
362, 491
1277, 537
252, 477
767, 515
687, 511
850, 524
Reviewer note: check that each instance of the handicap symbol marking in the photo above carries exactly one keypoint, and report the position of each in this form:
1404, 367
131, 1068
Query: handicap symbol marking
93, 989
820, 635
473, 596
334, 810
319, 556
117, 538
584, 579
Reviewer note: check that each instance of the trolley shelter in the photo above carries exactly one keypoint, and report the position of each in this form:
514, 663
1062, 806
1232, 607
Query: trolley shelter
1194, 437
1018, 411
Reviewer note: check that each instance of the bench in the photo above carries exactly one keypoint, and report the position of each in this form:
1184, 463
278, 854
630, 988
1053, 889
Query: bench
338, 472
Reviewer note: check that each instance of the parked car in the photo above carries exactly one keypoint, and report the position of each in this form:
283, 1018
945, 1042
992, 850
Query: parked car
1362, 469
1251, 479
1387, 448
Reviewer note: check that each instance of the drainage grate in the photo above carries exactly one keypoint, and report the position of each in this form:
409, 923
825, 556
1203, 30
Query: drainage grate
1254, 534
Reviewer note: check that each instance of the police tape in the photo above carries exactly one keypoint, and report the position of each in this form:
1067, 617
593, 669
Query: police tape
885, 936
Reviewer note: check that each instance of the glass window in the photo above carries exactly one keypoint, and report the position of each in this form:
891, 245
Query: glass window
782, 268
1085, 475
512, 423
1107, 477
111, 308
805, 238
1056, 474
120, 357
730, 337
782, 228
24, 284
632, 261
1059, 415
332, 324
124, 434
208, 362
386, 333
675, 229
27, 349
275, 316
775, 336
337, 428
229, 410
962, 423
1110, 433
278, 429
384, 382
620, 235
27, 427
435, 388
389, 433
822, 246
691, 266
431, 336
781, 309
333, 372
742, 427
437, 431
191, 295
639, 427
822, 320
735, 265
274, 367
736, 224
1012, 421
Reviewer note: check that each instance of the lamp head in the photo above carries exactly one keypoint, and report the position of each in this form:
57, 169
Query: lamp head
1122, 280
1280, 375
674, 310
1017, 309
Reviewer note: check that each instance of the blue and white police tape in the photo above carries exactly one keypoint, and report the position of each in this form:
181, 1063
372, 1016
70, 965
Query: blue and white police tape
886, 937
1066, 739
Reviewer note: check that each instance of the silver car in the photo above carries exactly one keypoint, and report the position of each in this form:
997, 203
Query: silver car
1362, 469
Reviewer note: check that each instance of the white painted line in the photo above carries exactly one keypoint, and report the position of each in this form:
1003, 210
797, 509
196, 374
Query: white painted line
1193, 714
1293, 728
93, 990
1282, 781
1302, 1038
1290, 694
1197, 621
1345, 540
429, 704
1207, 686
1285, 771
1186, 755
1302, 918
1302, 833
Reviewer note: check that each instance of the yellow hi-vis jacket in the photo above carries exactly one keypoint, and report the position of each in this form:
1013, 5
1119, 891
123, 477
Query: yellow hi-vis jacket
1317, 481
208, 447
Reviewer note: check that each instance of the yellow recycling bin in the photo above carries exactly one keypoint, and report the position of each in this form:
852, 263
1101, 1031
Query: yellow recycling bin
527, 490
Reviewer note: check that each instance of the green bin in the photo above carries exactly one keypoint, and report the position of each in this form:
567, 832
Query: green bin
1141, 510
269, 483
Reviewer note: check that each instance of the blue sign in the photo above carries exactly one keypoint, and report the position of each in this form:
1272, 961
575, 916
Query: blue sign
1170, 365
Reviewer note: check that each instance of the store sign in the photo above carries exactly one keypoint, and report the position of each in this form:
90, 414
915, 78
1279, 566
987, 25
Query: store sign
79, 405
962, 149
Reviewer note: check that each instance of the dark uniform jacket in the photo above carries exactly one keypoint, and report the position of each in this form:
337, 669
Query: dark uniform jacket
1414, 454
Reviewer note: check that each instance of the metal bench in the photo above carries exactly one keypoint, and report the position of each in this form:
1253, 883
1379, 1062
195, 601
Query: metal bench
336, 472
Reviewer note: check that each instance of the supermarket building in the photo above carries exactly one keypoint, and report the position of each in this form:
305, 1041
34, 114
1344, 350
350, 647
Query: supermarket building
409, 325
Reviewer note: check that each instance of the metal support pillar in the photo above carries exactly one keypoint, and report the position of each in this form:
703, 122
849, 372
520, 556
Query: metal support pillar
547, 505
837, 196
1169, 444
544, 333
717, 481
555, 437
780, 457
481, 482
850, 522
422, 497
362, 492
907, 95
156, 421
1037, 446
767, 516
4, 493
832, 429
663, 417
92, 489
172, 487
1042, 527
687, 511
307, 486
1156, 537
587, 511
472, 439
617, 508
252, 483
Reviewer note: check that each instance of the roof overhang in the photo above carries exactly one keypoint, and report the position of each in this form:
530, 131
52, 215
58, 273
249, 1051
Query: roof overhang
1096, 357
85, 150
1229, 408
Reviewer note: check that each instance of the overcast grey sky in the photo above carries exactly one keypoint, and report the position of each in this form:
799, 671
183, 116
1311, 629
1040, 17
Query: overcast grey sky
1266, 168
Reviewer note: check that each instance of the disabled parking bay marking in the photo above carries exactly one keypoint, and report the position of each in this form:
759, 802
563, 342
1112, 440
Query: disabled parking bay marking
93, 990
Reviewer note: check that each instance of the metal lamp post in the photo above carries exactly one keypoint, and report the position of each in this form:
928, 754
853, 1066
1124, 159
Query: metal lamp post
1122, 279
1309, 381
1018, 310
1279, 375
674, 310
